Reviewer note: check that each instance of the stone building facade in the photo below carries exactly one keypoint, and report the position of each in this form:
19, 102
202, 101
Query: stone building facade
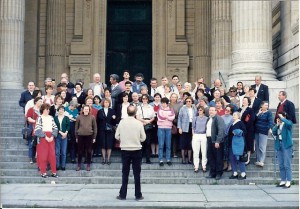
231, 40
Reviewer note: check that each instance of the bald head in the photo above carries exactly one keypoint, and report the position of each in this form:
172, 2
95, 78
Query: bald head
131, 110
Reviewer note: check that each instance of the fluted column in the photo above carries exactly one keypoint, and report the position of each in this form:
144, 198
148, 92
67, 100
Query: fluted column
12, 15
202, 44
251, 41
221, 38
55, 44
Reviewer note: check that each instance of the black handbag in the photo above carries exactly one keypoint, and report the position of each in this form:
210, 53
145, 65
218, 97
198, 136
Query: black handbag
148, 126
244, 157
26, 130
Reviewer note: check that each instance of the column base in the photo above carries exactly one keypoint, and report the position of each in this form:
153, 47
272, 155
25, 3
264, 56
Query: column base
10, 85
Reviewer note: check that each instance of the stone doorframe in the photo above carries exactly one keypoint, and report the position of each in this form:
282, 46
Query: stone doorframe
169, 45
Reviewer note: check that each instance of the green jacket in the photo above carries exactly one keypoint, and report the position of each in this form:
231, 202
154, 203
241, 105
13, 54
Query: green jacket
286, 134
65, 125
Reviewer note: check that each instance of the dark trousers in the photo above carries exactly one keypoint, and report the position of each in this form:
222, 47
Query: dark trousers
72, 142
215, 158
134, 157
147, 145
85, 143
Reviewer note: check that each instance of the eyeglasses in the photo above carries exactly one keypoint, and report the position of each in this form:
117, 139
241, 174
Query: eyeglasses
232, 91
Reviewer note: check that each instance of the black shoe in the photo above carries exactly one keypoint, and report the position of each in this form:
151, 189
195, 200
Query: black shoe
169, 163
44, 175
148, 162
210, 176
54, 175
103, 162
183, 162
218, 177
233, 177
241, 177
139, 198
58, 168
63, 168
196, 170
161, 163
120, 198
108, 162
189, 162
152, 155
73, 161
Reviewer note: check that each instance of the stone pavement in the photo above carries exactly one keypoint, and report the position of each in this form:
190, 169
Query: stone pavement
156, 196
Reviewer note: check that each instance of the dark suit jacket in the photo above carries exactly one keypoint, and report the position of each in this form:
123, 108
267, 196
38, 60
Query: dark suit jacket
289, 108
263, 92
256, 105
250, 123
102, 119
120, 98
25, 97
217, 129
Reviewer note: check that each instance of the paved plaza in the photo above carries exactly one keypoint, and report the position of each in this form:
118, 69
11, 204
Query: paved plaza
156, 196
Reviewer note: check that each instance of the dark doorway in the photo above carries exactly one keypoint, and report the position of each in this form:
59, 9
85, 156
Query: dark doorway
129, 38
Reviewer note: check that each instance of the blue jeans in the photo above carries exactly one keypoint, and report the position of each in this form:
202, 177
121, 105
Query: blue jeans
235, 163
61, 149
30, 148
261, 146
285, 160
164, 137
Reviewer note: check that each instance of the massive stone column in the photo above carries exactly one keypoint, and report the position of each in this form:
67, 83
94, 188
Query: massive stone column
251, 41
221, 39
202, 41
55, 40
12, 15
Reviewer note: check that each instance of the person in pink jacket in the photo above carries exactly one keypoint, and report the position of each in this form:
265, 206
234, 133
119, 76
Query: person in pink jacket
165, 117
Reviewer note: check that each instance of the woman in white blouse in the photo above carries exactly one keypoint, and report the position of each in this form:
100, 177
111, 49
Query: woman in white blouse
146, 114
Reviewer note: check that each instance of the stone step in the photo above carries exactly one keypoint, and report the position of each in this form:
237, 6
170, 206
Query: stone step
153, 166
163, 173
23, 151
117, 159
118, 180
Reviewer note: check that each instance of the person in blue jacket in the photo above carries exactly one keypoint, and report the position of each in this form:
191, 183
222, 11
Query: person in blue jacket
284, 148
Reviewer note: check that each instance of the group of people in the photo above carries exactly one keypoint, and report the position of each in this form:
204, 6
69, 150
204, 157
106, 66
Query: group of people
213, 125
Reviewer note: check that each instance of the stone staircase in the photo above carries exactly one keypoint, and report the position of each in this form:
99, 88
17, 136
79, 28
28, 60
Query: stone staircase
15, 168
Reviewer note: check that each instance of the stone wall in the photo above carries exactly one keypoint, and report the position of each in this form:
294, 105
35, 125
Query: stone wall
187, 40
285, 33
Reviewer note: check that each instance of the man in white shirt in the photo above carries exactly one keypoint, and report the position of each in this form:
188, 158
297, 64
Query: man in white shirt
98, 87
153, 87
161, 89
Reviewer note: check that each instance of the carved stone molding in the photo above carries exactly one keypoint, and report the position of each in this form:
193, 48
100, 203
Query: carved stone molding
251, 55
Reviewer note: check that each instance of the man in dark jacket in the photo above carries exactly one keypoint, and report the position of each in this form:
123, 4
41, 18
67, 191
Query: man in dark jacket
261, 89
215, 134
286, 106
27, 95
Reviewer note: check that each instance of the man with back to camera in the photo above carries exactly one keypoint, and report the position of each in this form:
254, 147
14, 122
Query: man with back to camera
131, 151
